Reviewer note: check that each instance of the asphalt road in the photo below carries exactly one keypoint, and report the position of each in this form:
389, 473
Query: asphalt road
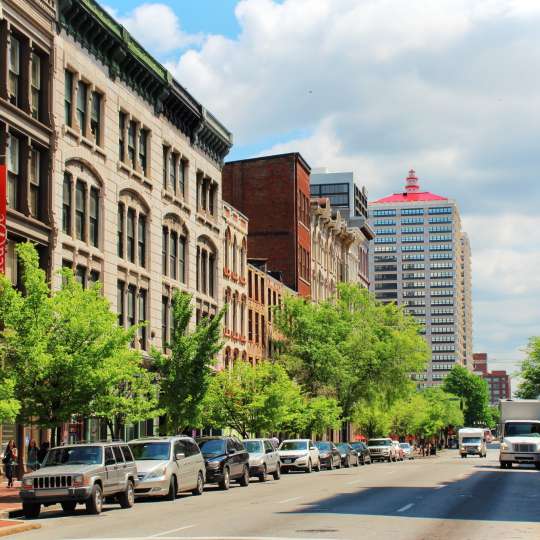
442, 497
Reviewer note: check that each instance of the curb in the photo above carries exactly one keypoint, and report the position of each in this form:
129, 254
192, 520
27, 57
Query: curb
18, 528
7, 513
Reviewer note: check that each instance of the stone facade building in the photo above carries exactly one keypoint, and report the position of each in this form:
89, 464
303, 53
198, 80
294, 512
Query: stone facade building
235, 287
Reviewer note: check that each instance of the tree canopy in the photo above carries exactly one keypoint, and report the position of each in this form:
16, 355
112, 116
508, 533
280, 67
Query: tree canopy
529, 387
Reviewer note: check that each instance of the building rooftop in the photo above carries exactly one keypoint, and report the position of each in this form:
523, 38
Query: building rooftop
411, 193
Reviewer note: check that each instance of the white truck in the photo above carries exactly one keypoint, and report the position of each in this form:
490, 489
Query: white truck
520, 432
472, 442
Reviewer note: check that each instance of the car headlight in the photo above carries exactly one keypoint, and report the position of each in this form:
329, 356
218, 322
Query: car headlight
479, 448
325, 455
214, 464
504, 446
462, 447
80, 480
157, 473
257, 461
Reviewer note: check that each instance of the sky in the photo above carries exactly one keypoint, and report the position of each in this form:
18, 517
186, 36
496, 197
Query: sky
450, 88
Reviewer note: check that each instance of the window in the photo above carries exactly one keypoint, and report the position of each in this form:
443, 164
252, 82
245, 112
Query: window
143, 149
182, 177
68, 97
131, 313
142, 241
440, 210
94, 217
412, 211
182, 259
13, 162
121, 136
120, 231
173, 255
211, 276
132, 133
66, 204
121, 304
118, 454
93, 277
82, 96
379, 222
412, 221
131, 235
172, 171
382, 213
35, 182
95, 117
80, 275
164, 321
80, 210
35, 85
142, 319
165, 159
164, 250
380, 232
14, 71
386, 240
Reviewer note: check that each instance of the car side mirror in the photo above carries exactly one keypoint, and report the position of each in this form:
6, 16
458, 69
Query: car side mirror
180, 456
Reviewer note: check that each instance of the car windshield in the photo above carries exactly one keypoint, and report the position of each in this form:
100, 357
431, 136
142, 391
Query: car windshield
405, 445
379, 442
74, 455
151, 451
471, 440
212, 447
525, 429
254, 447
357, 445
343, 447
324, 446
294, 445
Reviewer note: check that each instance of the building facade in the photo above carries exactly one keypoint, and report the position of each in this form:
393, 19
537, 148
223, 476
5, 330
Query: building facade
421, 260
273, 192
339, 253
499, 382
235, 286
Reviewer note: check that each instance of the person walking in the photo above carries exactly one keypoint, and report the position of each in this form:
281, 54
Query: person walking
42, 452
32, 459
9, 460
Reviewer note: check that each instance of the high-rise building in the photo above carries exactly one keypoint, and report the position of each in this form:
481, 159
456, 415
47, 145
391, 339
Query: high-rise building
498, 381
420, 259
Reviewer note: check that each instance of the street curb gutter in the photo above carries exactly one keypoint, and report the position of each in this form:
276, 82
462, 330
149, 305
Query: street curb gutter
18, 528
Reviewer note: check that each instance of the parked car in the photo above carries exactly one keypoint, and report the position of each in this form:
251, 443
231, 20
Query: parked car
408, 450
329, 455
263, 459
81, 474
299, 454
226, 459
167, 466
363, 452
400, 454
349, 456
382, 450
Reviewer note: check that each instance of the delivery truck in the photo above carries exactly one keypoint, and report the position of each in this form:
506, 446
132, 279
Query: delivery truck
472, 442
519, 432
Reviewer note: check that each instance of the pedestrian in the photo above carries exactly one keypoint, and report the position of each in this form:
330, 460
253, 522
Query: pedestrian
42, 452
275, 442
32, 460
9, 460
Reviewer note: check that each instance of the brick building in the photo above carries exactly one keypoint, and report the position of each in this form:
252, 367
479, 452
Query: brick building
273, 192
498, 380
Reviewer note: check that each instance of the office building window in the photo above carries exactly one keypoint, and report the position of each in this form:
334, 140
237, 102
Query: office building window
94, 217
122, 136
141, 239
120, 230
82, 98
142, 320
121, 302
35, 183
35, 85
13, 168
80, 210
182, 177
164, 250
14, 83
132, 133
68, 97
95, 117
143, 149
131, 235
66, 204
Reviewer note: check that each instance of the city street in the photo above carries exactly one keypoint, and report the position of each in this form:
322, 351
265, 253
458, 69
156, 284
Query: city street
442, 497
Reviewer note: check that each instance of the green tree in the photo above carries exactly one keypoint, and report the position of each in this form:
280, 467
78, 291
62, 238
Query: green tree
441, 411
185, 373
372, 418
474, 392
59, 345
9, 406
253, 400
322, 413
529, 387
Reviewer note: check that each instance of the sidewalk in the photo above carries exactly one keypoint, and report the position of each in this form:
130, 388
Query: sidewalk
9, 499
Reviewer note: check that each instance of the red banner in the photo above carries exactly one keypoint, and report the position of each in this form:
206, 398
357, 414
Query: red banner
3, 218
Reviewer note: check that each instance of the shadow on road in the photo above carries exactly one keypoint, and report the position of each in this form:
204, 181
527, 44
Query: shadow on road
486, 494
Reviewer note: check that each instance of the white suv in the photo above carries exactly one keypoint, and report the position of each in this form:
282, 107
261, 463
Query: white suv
299, 454
382, 450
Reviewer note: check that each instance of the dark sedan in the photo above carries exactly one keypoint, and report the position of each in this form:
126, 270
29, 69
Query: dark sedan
363, 452
329, 454
349, 456
226, 459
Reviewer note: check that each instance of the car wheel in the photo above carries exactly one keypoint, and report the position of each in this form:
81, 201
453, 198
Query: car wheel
244, 479
68, 506
94, 504
31, 510
262, 477
173, 489
225, 483
200, 485
308, 468
277, 473
127, 498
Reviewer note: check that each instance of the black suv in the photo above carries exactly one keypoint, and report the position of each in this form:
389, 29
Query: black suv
226, 459
363, 452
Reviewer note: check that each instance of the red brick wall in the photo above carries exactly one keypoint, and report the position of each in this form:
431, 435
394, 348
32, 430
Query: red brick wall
264, 189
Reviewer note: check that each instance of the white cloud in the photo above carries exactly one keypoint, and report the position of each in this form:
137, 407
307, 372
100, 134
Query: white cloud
157, 27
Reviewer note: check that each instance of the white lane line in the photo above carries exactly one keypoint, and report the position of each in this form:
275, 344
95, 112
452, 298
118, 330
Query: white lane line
442, 486
406, 507
289, 500
185, 527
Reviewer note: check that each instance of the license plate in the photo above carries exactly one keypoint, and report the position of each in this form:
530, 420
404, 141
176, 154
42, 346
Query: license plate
287, 461
52, 492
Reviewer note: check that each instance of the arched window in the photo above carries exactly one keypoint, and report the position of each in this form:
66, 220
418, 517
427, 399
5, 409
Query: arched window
235, 256
132, 229
243, 256
175, 249
206, 266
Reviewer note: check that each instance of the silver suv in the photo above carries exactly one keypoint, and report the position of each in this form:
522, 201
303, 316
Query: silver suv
382, 450
81, 474
263, 459
168, 465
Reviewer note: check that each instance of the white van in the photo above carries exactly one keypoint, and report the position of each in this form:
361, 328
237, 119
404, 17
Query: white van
472, 442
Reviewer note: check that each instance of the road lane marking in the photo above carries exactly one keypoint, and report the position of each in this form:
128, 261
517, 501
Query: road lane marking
440, 487
289, 500
406, 507
185, 527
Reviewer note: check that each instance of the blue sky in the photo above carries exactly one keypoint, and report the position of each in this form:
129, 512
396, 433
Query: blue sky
378, 87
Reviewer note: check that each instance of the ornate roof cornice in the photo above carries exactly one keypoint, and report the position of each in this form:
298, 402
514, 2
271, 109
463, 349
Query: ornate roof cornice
91, 26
